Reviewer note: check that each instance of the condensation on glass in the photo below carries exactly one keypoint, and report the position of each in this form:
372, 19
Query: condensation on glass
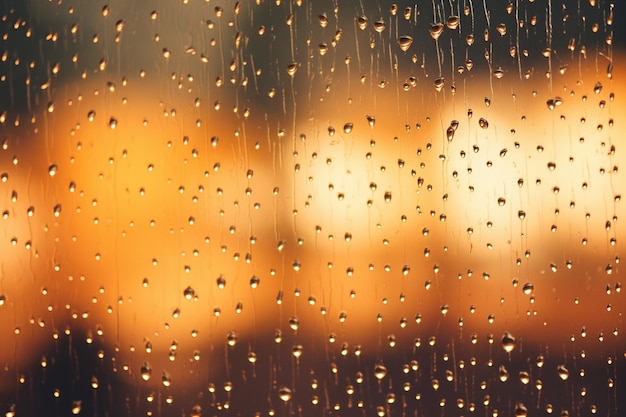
311, 208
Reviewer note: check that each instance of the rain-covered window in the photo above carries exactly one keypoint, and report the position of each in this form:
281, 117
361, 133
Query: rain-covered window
312, 208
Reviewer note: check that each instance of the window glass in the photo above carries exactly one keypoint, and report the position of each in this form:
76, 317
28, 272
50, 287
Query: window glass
273, 208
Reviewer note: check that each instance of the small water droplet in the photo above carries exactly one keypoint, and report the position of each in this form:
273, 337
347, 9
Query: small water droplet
189, 293
380, 371
503, 373
146, 371
405, 42
597, 88
453, 22
521, 410
292, 68
323, 19
166, 380
284, 394
294, 323
508, 342
362, 22
435, 30
439, 83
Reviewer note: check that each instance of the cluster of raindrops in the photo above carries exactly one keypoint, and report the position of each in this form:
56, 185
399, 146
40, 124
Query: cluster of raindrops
299, 207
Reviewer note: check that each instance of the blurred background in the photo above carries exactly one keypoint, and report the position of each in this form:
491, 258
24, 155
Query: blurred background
311, 208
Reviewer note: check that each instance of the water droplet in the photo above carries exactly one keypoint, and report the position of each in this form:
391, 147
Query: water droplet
294, 323
146, 371
520, 410
323, 19
362, 22
503, 373
166, 380
435, 30
292, 68
189, 293
508, 342
597, 88
284, 394
297, 351
380, 371
439, 83
405, 42
453, 22
232, 338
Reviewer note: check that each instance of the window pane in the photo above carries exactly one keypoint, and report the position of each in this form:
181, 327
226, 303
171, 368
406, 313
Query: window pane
311, 208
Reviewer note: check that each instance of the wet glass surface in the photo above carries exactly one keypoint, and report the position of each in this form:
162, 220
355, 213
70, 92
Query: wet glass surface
311, 208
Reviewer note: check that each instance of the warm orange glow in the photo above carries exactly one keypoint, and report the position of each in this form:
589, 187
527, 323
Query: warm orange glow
103, 243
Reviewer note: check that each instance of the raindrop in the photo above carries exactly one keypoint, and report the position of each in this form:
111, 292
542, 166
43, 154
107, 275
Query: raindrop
362, 22
146, 371
323, 19
284, 394
436, 30
528, 288
520, 410
452, 22
508, 342
380, 371
379, 26
503, 373
405, 42
294, 323
292, 69
439, 83
189, 293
